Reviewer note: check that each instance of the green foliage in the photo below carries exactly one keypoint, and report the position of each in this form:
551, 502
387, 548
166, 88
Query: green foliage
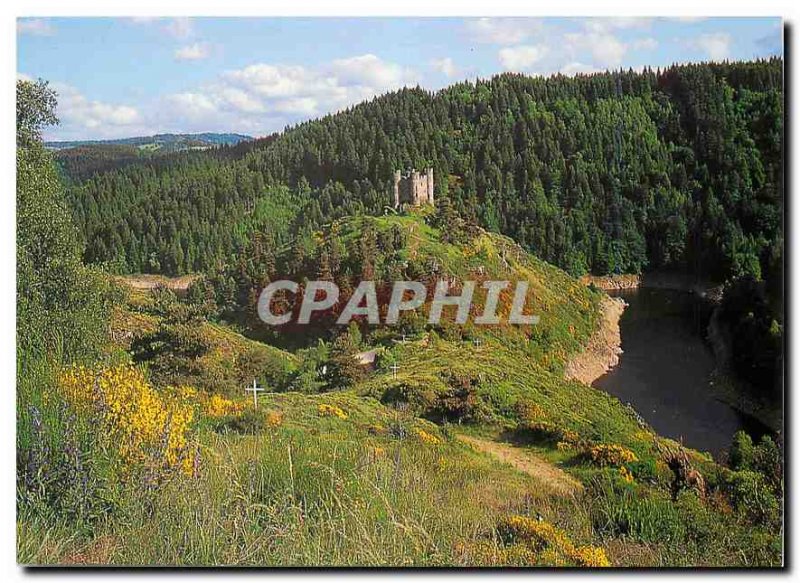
608, 173
764, 458
62, 317
248, 422
344, 368
60, 472
749, 316
36, 107
752, 495
740, 456
619, 510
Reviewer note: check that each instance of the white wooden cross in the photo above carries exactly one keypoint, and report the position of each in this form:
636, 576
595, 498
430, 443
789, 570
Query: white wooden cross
255, 389
394, 369
477, 342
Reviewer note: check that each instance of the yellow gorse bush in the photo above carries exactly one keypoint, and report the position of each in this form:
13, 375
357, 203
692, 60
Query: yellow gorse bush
331, 411
626, 474
144, 426
274, 418
611, 455
426, 437
216, 406
549, 544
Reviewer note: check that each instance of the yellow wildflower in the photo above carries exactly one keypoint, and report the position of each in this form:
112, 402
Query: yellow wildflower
551, 544
626, 474
589, 556
274, 418
611, 455
217, 406
331, 411
144, 426
426, 437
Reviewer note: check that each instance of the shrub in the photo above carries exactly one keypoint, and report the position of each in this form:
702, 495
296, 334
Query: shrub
767, 459
143, 426
216, 406
274, 418
426, 437
331, 411
618, 510
643, 469
551, 544
60, 469
610, 455
539, 432
528, 412
752, 496
248, 422
460, 401
740, 456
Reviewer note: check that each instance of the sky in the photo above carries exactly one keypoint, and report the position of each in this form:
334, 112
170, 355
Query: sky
123, 77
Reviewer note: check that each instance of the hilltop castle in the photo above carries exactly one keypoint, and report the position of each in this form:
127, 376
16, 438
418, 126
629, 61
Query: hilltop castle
414, 188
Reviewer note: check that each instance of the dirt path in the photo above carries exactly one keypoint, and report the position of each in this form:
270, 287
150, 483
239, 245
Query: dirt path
602, 352
543, 472
148, 282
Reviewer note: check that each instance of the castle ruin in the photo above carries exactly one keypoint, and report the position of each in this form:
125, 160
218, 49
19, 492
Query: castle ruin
414, 188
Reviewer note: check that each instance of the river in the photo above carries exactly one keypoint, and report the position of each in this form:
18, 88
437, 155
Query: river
665, 370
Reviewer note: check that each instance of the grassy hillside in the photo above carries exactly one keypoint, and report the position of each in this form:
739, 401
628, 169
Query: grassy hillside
475, 452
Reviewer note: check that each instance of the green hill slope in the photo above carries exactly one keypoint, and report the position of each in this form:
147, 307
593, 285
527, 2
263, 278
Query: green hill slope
611, 172
464, 445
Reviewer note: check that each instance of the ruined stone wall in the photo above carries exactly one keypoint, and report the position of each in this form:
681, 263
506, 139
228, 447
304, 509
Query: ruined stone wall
415, 189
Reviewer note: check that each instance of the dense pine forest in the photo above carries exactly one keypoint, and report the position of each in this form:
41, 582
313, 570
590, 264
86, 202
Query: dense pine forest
605, 173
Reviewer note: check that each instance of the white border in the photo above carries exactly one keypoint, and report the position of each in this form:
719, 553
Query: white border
15, 8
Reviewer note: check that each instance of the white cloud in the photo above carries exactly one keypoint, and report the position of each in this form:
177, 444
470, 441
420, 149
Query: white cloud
297, 105
716, 45
34, 26
77, 112
370, 71
193, 52
272, 80
342, 82
240, 100
502, 31
521, 57
192, 105
262, 97
258, 99
606, 49
445, 66
620, 22
181, 27
576, 68
645, 44
24, 77
143, 19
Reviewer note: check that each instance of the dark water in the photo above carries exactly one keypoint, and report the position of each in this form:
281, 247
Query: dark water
665, 370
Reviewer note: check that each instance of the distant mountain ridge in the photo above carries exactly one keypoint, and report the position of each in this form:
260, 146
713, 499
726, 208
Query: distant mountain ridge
172, 142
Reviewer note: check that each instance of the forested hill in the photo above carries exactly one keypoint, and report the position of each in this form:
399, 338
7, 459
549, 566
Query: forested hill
167, 141
612, 172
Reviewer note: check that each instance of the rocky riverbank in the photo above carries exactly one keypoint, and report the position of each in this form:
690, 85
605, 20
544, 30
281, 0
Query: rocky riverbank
613, 282
604, 348
659, 280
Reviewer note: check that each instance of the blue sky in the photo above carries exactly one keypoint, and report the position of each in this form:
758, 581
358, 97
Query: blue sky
121, 77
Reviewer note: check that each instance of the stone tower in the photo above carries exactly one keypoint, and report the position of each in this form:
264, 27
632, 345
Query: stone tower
414, 189
397, 179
